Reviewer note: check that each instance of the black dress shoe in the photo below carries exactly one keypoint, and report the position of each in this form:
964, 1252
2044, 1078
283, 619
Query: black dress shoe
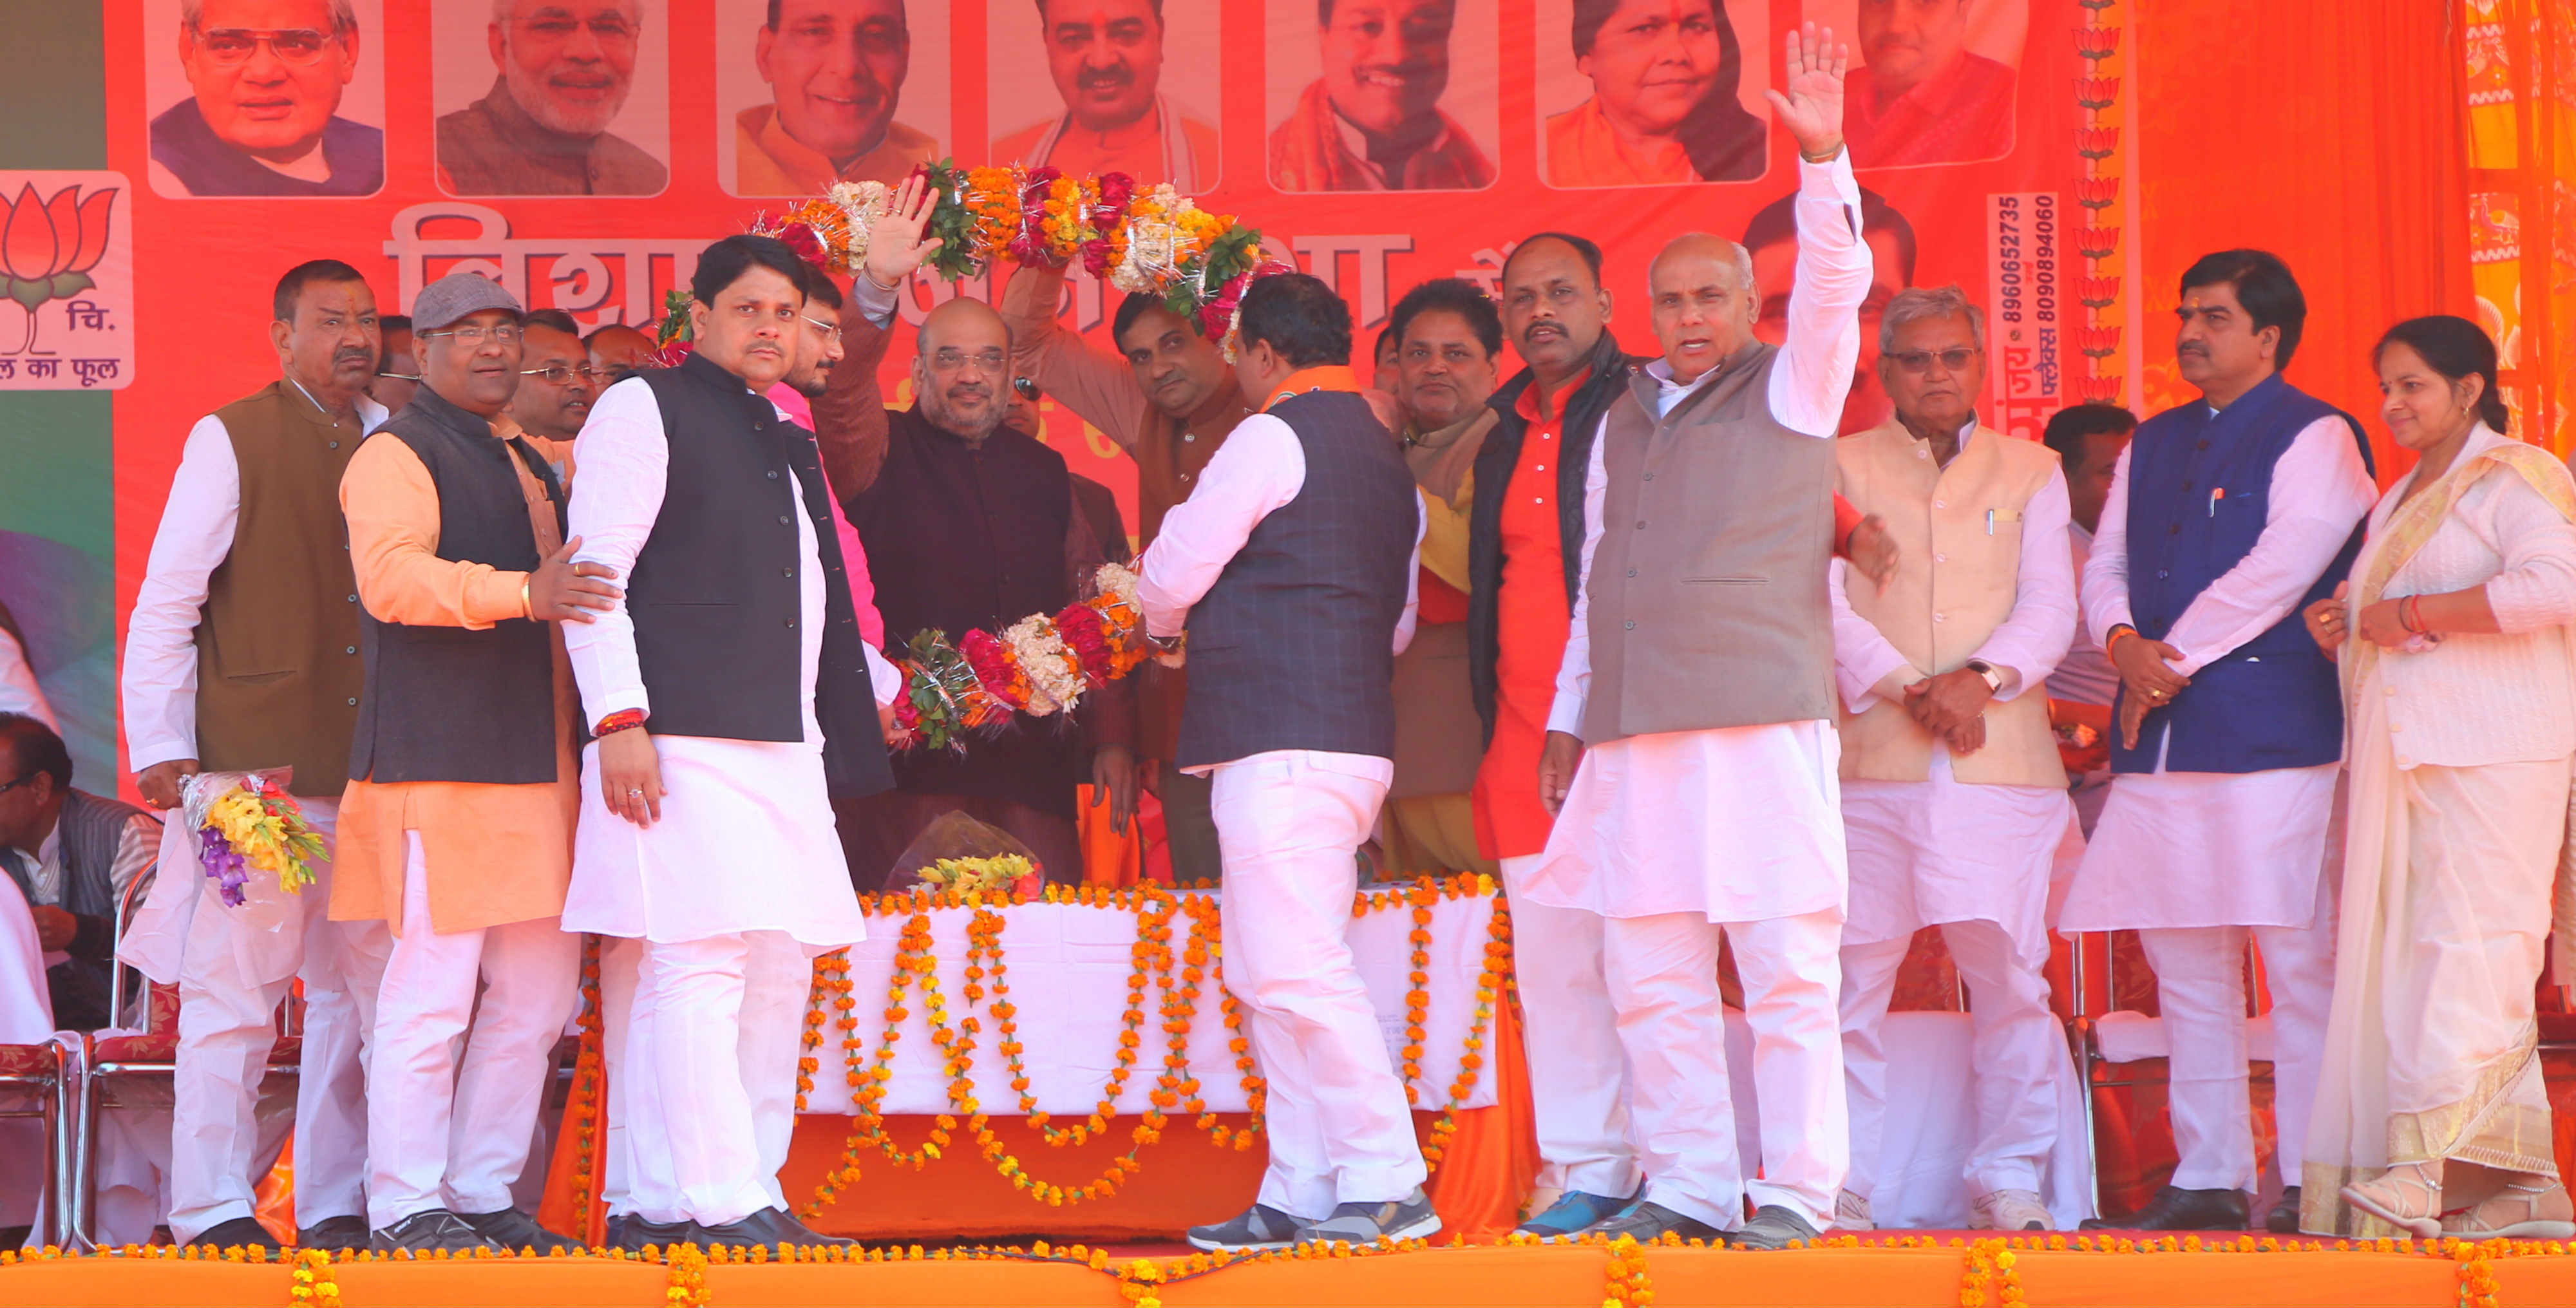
770, 1227
632, 1233
516, 1230
2175, 1209
346, 1232
242, 1231
2284, 1217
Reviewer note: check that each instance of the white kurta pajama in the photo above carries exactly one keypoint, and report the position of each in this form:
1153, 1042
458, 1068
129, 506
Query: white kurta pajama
733, 891
2195, 860
1289, 824
2460, 756
1672, 837
1973, 860
234, 964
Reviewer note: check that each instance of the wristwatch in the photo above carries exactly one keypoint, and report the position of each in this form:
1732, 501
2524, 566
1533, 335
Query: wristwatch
1994, 679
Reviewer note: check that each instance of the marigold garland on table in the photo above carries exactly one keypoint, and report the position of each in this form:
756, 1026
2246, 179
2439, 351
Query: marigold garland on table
1628, 1286
246, 821
313, 1283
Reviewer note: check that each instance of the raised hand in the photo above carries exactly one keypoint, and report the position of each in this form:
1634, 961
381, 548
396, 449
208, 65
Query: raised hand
895, 247
1810, 101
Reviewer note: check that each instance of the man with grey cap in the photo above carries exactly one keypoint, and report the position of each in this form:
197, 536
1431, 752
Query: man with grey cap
456, 829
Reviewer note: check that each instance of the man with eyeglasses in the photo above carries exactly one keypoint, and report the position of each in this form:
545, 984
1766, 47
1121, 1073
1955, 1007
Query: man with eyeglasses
397, 372
969, 523
835, 70
1953, 799
263, 119
456, 828
566, 68
243, 654
556, 383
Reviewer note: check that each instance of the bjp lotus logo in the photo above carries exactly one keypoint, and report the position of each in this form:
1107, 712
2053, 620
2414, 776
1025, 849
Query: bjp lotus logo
47, 248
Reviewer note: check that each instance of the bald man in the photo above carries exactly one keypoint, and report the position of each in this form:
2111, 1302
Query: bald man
616, 351
967, 522
1691, 753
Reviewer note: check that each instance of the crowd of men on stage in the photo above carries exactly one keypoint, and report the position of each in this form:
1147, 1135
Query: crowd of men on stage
567, 646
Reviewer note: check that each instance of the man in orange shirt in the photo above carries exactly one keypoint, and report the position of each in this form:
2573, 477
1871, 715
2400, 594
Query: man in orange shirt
456, 828
1106, 57
1372, 122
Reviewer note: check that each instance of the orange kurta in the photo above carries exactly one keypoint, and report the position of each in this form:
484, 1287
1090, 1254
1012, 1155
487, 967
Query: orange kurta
1583, 150
495, 854
767, 161
1143, 149
1310, 152
1533, 618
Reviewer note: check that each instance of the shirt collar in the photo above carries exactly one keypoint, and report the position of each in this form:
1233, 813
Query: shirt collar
1330, 377
371, 415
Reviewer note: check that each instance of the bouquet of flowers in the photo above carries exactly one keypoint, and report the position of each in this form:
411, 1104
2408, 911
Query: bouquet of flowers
245, 821
1000, 874
1039, 665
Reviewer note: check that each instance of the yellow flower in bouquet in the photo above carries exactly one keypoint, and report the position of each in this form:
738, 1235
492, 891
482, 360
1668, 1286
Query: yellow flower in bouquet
993, 198
999, 874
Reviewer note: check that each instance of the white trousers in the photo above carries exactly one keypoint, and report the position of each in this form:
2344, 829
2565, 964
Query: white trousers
619, 958
1662, 974
2200, 989
451, 1131
229, 990
710, 1074
1289, 826
1578, 1076
2017, 1048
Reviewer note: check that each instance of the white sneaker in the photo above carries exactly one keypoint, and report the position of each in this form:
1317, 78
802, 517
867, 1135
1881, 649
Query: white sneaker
2012, 1210
1851, 1212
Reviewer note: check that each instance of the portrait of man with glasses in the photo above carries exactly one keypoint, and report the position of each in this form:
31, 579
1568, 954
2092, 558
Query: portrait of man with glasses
565, 69
263, 118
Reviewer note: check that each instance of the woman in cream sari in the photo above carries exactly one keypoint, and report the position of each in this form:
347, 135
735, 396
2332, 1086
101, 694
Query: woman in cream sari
2459, 678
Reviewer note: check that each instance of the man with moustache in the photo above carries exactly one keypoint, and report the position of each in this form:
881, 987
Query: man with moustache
1106, 57
1663, 108
1923, 98
1699, 674
566, 68
456, 829
556, 383
1372, 122
2227, 516
835, 70
2088, 439
267, 76
1450, 338
1953, 799
397, 372
242, 654
1169, 402
736, 643
1772, 236
969, 524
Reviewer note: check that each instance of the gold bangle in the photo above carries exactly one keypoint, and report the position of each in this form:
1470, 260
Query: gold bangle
1825, 158
526, 610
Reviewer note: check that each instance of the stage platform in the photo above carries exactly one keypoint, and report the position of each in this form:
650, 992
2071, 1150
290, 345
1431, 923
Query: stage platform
1939, 1271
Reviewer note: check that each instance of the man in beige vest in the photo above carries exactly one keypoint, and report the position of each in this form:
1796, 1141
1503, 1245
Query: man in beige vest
1953, 799
243, 654
1700, 673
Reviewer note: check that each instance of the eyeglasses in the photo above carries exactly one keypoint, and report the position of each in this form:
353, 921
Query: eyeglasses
559, 373
400, 376
952, 360
502, 332
555, 29
19, 782
235, 45
831, 331
1027, 389
1920, 361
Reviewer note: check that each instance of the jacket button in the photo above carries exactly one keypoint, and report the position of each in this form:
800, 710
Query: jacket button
2162, 574
774, 476
354, 599
2186, 485
335, 445
791, 622
1649, 476
1632, 572
1631, 626
1641, 524
758, 425
789, 573
2202, 446
350, 650
353, 704
2174, 530
782, 521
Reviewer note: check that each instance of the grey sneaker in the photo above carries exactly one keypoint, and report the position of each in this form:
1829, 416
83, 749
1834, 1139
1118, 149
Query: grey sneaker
429, 1230
1250, 1231
1647, 1221
1408, 1218
1773, 1227
513, 1229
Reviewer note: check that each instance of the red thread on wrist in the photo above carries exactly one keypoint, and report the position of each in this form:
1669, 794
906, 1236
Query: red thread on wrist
622, 720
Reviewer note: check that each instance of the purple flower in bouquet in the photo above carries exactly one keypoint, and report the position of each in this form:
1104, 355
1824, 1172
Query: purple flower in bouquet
224, 864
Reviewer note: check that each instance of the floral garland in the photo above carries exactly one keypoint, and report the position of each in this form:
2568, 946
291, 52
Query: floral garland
1039, 665
1627, 1284
583, 1110
313, 1284
688, 1280
246, 820
1417, 1001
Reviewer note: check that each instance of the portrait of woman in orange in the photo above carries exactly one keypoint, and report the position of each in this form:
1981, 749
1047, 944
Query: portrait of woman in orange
1664, 108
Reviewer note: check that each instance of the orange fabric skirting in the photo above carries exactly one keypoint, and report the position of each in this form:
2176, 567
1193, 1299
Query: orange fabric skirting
1487, 1277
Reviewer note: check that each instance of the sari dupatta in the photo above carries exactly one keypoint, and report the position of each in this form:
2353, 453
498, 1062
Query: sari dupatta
2353, 1132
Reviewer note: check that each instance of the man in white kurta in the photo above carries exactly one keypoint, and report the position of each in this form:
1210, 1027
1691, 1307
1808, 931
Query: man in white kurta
243, 654
2217, 823
1954, 802
1292, 567
1708, 800
709, 839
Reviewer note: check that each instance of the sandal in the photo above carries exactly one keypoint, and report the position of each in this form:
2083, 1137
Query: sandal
2528, 1208
2403, 1196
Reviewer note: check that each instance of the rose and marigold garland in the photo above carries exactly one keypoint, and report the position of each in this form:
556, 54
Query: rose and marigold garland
1041, 665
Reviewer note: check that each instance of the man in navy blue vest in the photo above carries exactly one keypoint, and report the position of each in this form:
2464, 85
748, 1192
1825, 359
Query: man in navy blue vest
2227, 516
1292, 568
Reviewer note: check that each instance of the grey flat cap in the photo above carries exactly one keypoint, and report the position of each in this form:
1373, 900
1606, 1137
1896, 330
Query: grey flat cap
455, 296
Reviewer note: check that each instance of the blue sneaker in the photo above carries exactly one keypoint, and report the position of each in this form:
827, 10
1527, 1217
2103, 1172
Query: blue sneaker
1571, 1214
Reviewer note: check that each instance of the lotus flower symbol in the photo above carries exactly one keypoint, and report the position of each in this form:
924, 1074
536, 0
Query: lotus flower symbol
47, 248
